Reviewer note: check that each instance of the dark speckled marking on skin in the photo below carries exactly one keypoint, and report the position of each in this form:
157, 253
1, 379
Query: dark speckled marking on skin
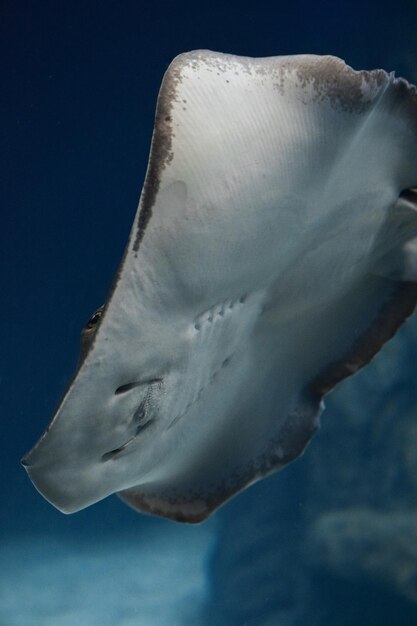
329, 76
333, 80
161, 148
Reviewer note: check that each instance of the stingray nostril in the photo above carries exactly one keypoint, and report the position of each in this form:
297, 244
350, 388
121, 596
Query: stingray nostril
129, 386
110, 455
124, 388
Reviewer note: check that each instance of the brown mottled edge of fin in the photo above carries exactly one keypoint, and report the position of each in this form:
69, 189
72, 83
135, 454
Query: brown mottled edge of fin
390, 318
161, 147
197, 506
177, 510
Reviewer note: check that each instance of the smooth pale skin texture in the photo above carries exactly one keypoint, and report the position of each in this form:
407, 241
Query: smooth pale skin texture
274, 251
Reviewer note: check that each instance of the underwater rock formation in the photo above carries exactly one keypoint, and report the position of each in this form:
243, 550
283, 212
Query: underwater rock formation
369, 545
362, 500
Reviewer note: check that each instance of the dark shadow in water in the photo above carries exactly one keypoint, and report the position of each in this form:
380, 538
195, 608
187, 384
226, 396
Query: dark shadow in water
360, 604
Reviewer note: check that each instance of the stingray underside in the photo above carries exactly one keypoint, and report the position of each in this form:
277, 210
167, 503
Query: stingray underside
273, 253
320, 162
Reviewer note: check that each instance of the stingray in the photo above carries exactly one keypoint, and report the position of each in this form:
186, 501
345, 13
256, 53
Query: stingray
273, 253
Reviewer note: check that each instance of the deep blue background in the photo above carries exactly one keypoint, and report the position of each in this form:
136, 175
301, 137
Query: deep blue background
79, 85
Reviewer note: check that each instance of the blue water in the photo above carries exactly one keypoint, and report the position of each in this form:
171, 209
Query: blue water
79, 84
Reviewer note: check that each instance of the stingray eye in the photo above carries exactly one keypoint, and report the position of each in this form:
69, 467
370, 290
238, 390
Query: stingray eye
88, 333
94, 319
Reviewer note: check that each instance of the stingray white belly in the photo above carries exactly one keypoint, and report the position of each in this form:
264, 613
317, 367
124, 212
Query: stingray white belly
272, 255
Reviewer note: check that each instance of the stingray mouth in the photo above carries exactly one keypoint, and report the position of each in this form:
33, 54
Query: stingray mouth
141, 420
